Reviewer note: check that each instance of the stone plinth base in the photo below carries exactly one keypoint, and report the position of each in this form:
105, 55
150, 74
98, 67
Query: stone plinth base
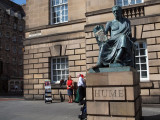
113, 96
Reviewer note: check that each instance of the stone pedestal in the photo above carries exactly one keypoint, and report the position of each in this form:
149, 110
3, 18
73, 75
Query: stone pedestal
113, 95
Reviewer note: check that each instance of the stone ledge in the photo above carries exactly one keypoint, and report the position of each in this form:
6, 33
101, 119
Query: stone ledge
112, 69
55, 38
56, 25
112, 78
110, 118
57, 86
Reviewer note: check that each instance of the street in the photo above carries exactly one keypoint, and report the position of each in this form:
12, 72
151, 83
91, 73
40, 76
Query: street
151, 112
20, 109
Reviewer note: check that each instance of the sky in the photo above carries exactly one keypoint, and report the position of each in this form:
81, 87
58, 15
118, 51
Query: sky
20, 2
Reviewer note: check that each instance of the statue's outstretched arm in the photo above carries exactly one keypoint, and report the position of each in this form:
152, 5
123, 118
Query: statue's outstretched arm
99, 33
108, 27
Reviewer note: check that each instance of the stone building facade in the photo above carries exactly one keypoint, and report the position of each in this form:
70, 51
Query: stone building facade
12, 27
59, 41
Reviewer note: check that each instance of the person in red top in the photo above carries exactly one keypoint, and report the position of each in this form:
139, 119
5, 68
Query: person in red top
70, 88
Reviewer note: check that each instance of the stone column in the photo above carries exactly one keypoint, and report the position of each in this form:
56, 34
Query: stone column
113, 95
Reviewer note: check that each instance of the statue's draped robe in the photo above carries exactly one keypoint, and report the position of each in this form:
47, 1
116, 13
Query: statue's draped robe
120, 38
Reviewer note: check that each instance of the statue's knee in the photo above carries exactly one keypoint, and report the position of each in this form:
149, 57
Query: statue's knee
123, 37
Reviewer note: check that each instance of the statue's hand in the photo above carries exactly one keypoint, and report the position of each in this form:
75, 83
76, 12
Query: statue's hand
97, 27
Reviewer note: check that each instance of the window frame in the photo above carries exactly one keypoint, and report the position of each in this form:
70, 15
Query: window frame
147, 61
58, 81
51, 12
129, 2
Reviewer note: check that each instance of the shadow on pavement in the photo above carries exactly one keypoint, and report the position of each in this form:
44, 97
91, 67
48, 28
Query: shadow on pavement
155, 117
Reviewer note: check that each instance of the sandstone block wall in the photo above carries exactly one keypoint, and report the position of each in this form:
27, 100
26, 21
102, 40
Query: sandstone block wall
98, 5
37, 13
37, 65
76, 9
112, 96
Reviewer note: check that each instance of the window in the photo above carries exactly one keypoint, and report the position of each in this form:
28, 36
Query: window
14, 26
59, 69
19, 16
7, 19
59, 11
20, 50
12, 13
14, 49
15, 73
20, 39
7, 35
141, 60
14, 61
14, 39
20, 28
21, 73
20, 62
7, 60
7, 47
128, 2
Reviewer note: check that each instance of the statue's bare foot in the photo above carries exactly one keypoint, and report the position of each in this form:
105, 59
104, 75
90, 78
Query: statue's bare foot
95, 66
117, 61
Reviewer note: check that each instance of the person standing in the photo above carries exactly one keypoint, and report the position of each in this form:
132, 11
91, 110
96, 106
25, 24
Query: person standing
81, 86
70, 89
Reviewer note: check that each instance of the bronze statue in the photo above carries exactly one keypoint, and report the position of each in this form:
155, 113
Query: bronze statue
119, 48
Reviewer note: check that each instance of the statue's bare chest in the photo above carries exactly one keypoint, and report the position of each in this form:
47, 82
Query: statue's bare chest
115, 26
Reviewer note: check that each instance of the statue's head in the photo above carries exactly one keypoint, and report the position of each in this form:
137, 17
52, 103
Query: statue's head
117, 11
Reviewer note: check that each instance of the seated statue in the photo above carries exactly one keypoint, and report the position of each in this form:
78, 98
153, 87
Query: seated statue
119, 48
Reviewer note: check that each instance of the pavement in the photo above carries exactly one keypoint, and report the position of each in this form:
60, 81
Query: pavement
16, 108
20, 109
151, 112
